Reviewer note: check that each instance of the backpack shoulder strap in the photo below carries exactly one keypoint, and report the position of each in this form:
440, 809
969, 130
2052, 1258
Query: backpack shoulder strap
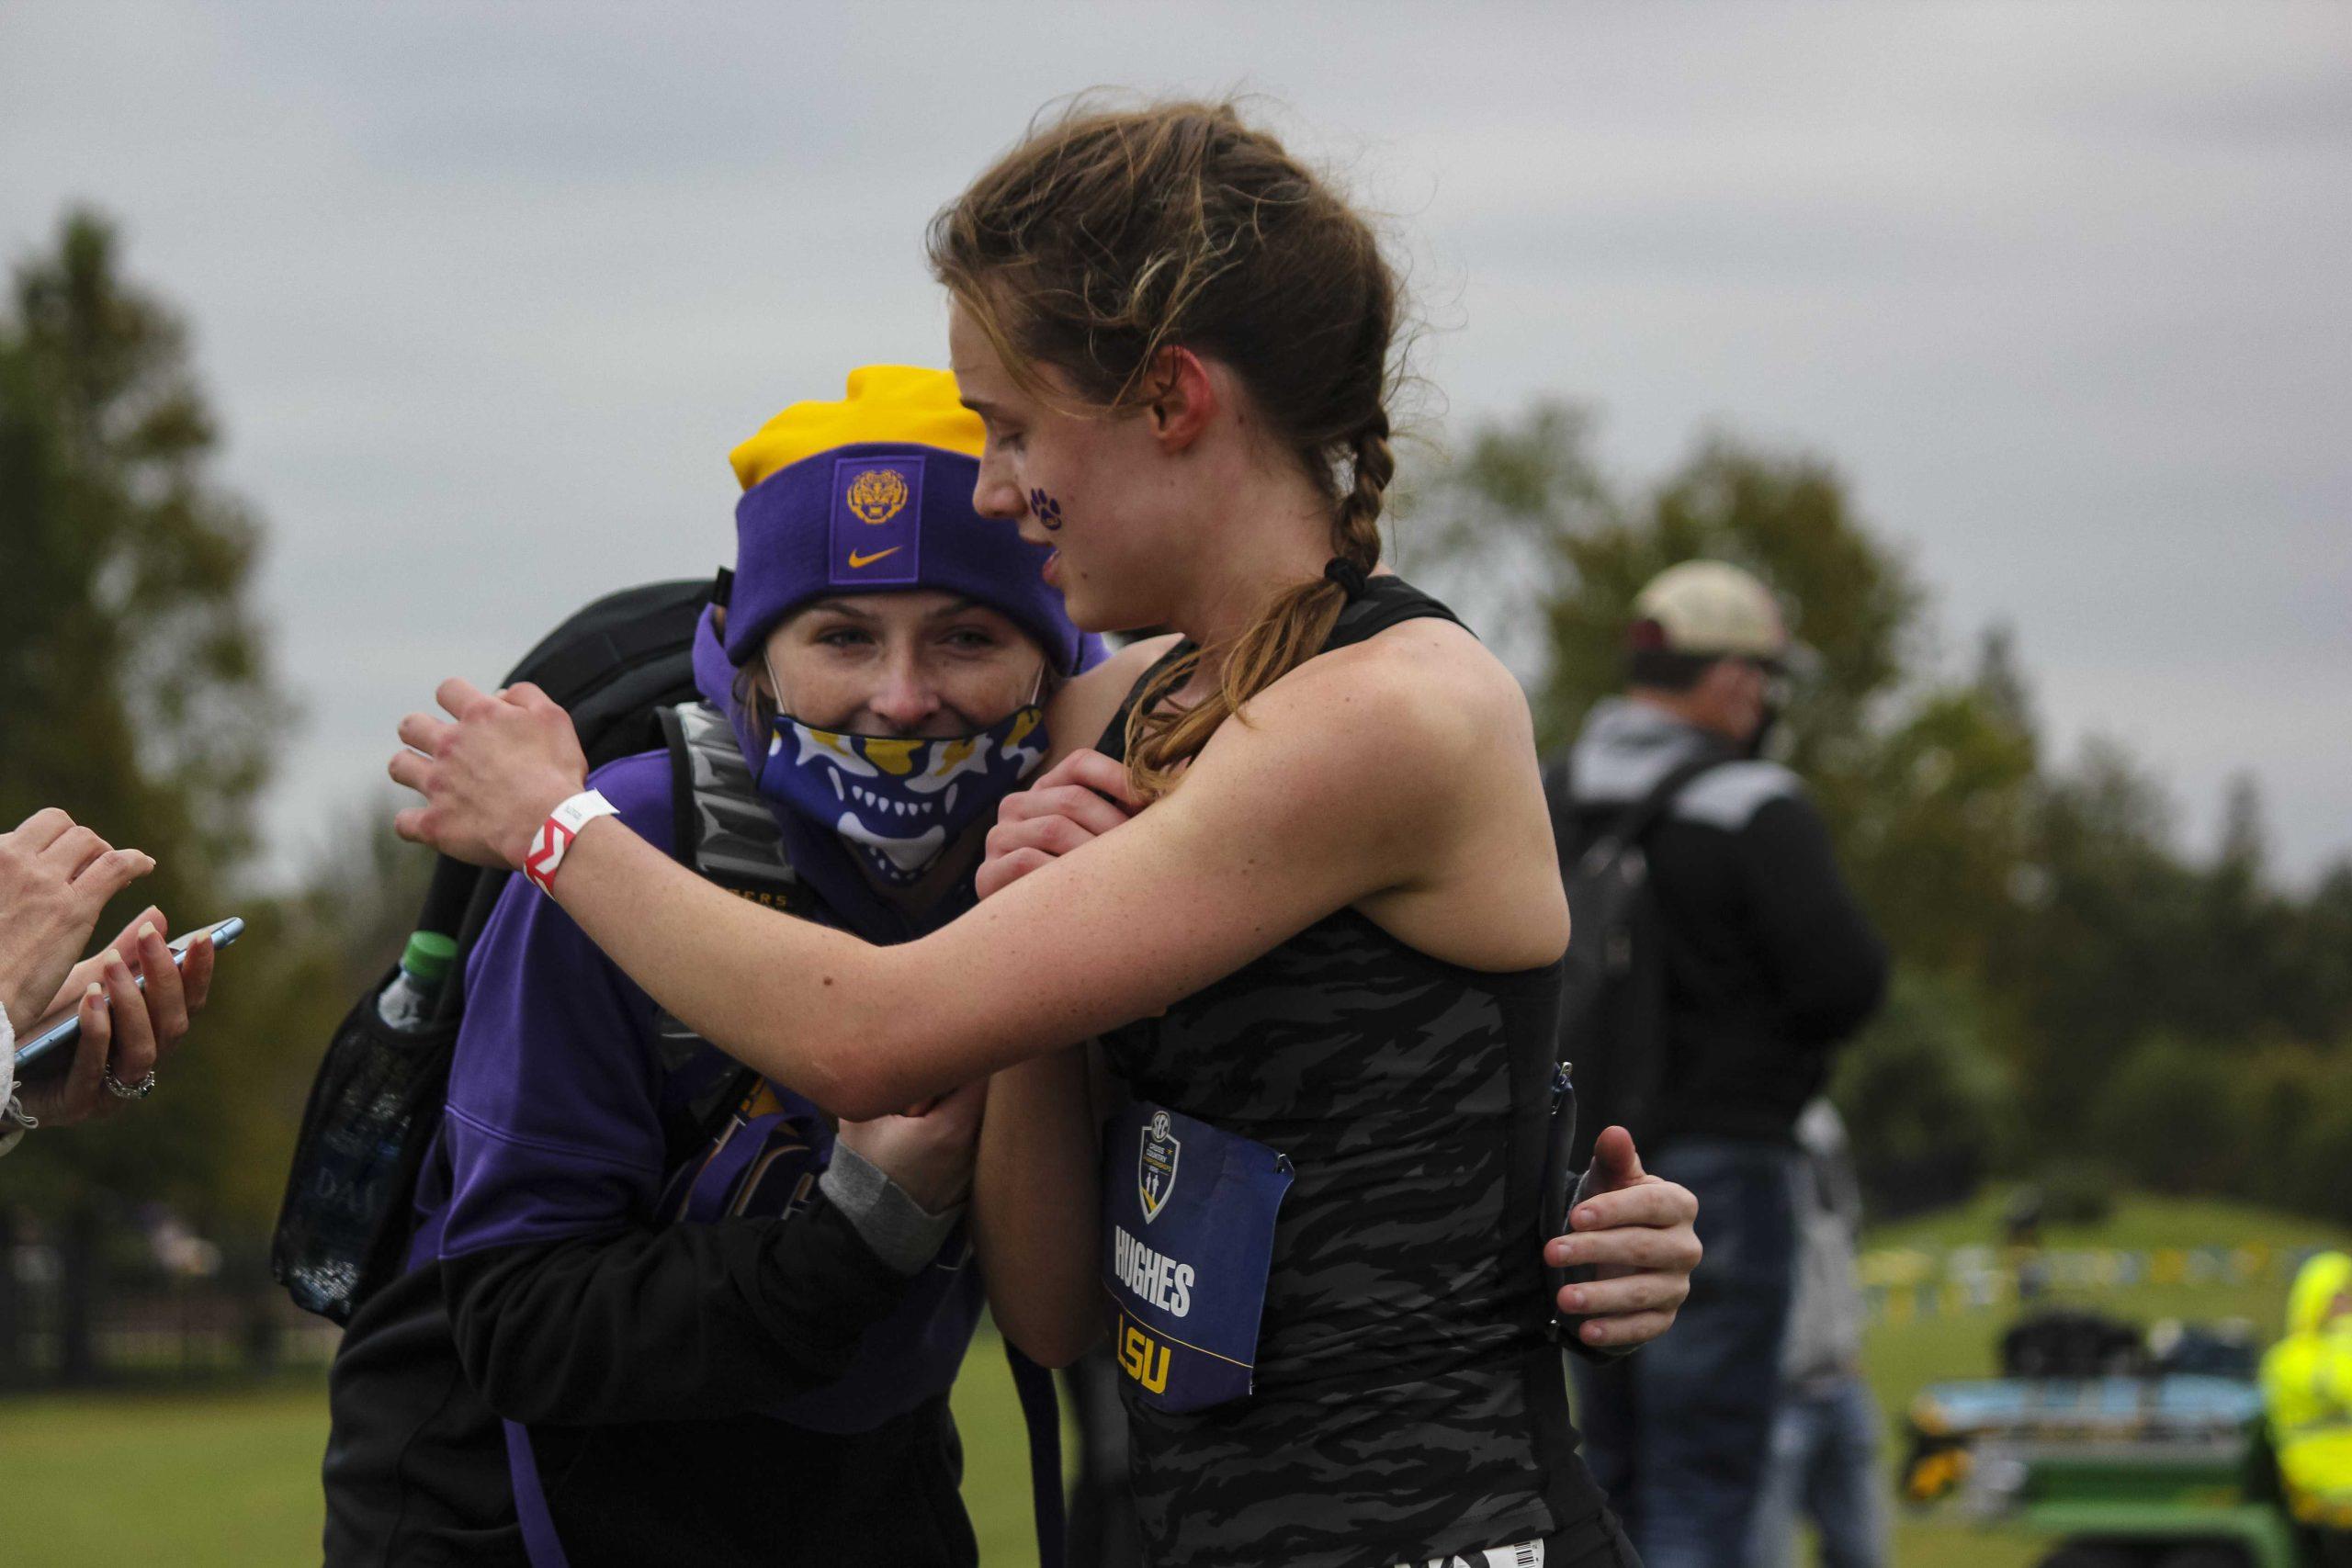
1041, 1413
724, 829
1632, 825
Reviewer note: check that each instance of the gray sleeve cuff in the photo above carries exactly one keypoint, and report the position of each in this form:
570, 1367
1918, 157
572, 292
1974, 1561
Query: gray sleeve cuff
902, 1233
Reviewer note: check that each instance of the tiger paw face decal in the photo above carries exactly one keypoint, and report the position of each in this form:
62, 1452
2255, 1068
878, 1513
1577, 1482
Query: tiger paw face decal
1046, 509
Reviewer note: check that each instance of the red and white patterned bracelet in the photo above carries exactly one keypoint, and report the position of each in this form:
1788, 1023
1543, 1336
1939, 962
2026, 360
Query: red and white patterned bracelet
562, 826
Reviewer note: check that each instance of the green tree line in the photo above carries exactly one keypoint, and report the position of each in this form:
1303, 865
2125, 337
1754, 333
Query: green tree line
2078, 999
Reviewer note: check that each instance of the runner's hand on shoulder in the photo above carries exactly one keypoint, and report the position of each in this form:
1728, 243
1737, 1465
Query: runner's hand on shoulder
929, 1152
1641, 1231
1079, 798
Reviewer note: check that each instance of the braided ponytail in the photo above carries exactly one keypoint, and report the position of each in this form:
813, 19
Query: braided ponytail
1373, 465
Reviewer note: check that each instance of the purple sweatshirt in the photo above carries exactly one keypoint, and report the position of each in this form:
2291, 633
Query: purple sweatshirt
681, 1333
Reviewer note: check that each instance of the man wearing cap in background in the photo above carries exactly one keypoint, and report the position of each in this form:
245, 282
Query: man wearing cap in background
1768, 964
633, 1332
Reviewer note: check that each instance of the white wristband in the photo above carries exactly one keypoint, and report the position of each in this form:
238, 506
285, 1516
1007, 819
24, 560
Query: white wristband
562, 826
13, 1120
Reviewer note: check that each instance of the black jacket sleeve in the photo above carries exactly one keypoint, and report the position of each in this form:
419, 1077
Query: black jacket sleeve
1830, 964
691, 1321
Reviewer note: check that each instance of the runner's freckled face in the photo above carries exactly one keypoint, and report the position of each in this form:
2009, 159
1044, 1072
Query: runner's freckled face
913, 664
1091, 484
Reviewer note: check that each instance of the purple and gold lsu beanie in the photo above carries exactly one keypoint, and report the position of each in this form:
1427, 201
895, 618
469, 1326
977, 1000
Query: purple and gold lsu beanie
873, 494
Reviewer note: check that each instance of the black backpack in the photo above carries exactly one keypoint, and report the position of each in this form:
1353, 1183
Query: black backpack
1613, 1000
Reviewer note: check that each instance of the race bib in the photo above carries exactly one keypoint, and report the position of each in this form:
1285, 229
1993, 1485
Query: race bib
1526, 1554
1188, 1238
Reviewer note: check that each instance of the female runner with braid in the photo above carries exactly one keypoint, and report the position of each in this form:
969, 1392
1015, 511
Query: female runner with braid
1326, 889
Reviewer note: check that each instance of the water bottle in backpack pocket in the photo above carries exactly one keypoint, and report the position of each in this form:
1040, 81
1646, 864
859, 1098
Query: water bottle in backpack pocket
371, 1114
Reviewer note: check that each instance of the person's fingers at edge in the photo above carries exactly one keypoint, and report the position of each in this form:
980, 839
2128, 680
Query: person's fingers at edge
72, 851
1092, 770
460, 696
410, 770
1636, 1329
1005, 870
1626, 1294
1642, 1247
84, 1091
1080, 805
1020, 862
196, 973
1613, 1152
524, 694
166, 996
1652, 1202
126, 941
42, 829
109, 875
1096, 815
424, 733
135, 1033
1063, 770
78, 979
1056, 835
410, 824
1105, 775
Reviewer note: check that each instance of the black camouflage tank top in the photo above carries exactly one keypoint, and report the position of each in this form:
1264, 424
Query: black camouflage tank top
1408, 1403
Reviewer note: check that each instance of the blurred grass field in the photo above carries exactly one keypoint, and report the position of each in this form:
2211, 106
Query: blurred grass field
230, 1479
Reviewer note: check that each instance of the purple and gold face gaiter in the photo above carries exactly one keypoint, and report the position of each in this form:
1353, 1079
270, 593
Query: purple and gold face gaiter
901, 800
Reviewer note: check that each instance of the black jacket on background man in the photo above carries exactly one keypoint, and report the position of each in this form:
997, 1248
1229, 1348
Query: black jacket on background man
1770, 963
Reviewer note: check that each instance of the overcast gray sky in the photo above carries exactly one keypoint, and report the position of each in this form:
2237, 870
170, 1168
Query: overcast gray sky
484, 294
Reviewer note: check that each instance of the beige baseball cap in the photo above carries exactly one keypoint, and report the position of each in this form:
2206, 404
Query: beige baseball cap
1709, 607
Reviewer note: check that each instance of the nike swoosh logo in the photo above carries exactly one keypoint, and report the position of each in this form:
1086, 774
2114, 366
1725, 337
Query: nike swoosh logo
856, 560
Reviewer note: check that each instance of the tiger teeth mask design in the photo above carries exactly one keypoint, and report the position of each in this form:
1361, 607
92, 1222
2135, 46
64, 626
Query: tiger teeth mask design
901, 800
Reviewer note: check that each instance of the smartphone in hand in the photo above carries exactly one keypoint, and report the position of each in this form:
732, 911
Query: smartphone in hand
58, 1031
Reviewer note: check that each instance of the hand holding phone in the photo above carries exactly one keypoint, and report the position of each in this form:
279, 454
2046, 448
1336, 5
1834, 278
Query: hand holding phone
59, 1032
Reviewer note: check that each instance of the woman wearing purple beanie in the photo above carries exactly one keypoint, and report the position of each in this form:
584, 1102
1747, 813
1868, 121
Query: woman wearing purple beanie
621, 1337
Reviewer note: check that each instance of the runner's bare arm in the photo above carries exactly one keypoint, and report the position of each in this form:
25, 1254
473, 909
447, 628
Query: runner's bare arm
1036, 1207
1356, 774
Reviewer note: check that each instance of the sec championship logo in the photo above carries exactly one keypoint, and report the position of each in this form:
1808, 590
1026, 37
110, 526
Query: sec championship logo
1156, 1165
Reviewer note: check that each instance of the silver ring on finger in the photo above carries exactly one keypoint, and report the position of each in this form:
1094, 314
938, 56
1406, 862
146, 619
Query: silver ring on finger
121, 1091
